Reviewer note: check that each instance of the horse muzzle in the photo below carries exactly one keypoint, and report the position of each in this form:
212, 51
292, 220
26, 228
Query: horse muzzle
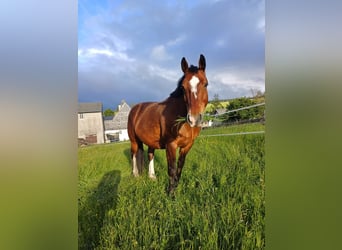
194, 120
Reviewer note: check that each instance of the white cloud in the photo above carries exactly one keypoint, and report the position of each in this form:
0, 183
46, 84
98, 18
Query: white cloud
94, 52
132, 41
111, 40
167, 74
240, 80
176, 41
261, 24
159, 53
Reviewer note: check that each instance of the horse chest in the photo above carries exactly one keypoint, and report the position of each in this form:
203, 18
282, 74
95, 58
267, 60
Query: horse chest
186, 135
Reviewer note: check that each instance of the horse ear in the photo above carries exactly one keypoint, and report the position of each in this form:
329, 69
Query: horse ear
201, 62
184, 65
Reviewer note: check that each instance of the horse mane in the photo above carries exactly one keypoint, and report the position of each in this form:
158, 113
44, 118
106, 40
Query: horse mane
178, 92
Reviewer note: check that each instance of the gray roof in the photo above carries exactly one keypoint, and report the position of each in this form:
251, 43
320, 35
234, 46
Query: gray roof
119, 121
124, 107
108, 118
220, 111
89, 107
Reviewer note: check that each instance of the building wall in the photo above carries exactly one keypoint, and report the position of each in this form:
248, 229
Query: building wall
91, 124
123, 134
116, 129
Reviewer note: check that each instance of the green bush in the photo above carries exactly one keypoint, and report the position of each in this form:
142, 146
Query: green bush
246, 114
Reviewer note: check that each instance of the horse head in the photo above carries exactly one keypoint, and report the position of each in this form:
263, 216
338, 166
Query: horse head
194, 85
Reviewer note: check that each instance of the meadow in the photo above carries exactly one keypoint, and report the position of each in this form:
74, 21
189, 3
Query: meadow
218, 204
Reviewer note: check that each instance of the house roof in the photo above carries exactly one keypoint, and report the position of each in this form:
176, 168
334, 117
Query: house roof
124, 107
89, 107
108, 118
119, 121
220, 111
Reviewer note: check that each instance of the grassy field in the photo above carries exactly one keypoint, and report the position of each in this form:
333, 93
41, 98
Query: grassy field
218, 204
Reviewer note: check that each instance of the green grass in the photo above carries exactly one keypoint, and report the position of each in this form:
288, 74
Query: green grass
219, 203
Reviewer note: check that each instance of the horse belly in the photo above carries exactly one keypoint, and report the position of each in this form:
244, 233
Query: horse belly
151, 140
151, 126
149, 133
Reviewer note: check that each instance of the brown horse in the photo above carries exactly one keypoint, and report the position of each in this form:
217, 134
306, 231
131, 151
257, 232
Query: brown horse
171, 124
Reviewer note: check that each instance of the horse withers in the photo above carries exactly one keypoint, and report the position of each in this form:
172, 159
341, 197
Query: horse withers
170, 124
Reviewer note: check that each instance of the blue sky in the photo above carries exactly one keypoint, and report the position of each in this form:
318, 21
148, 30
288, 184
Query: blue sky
131, 50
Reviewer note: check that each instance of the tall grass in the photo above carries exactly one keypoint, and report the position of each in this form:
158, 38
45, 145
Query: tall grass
219, 203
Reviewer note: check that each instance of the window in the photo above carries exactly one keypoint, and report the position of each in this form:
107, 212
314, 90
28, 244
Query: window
81, 116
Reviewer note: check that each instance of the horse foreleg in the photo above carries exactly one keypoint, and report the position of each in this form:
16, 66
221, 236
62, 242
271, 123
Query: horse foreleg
181, 160
171, 164
151, 173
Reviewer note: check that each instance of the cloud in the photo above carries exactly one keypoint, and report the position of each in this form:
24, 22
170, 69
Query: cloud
170, 75
177, 41
129, 45
159, 53
235, 82
261, 24
94, 52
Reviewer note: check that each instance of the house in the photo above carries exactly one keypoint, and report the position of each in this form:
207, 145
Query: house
90, 122
116, 126
206, 124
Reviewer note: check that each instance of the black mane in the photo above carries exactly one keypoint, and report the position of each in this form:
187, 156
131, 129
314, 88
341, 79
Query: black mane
178, 92
193, 69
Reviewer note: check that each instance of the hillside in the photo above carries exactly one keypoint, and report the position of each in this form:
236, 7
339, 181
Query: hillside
225, 103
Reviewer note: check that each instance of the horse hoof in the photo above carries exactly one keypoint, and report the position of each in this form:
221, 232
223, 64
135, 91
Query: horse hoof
171, 191
135, 174
152, 177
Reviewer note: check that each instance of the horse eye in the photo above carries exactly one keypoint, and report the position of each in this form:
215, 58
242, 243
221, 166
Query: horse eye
206, 85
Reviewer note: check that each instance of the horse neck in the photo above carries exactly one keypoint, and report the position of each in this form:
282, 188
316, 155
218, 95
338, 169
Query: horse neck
177, 105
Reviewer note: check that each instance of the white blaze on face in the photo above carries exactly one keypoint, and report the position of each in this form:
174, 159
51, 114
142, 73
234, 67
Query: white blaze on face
194, 81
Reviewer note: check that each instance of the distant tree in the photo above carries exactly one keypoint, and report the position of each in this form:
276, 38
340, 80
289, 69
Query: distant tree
108, 112
216, 102
256, 93
246, 114
260, 93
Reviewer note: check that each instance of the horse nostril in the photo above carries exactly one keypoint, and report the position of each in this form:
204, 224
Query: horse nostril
188, 119
191, 120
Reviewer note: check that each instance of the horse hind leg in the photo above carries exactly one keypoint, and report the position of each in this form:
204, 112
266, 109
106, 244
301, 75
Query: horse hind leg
151, 173
134, 154
140, 158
